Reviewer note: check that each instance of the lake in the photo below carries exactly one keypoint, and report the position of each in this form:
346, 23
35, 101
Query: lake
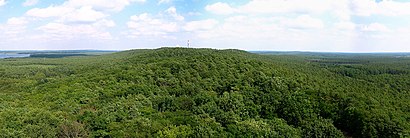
7, 55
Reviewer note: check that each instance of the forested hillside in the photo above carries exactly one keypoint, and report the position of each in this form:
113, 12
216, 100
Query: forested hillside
180, 92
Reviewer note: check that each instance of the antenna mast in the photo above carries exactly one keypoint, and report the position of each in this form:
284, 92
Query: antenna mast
188, 44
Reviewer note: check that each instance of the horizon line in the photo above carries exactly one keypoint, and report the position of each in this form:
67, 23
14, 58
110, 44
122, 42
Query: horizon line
252, 51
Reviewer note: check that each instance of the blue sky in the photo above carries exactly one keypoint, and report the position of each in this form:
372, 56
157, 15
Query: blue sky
279, 25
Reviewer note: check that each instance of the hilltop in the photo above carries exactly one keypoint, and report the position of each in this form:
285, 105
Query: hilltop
181, 92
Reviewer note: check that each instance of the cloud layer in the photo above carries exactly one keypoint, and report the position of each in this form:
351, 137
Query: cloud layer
303, 25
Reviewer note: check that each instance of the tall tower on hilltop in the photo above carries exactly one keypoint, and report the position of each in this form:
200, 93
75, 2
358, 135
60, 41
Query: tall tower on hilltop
188, 44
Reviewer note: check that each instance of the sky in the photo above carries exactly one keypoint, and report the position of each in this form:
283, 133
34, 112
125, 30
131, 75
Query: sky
274, 25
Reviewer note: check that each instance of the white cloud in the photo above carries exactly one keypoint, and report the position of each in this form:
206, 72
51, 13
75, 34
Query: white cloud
13, 29
56, 28
104, 23
282, 6
59, 31
385, 7
30, 3
17, 21
78, 19
345, 26
83, 15
306, 24
164, 1
303, 22
110, 5
220, 8
2, 2
375, 27
343, 9
363, 7
242, 27
256, 24
78, 6
52, 11
393, 8
201, 25
162, 25
145, 25
173, 12
69, 14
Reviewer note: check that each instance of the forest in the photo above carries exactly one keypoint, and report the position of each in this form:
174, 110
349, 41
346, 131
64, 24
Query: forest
185, 92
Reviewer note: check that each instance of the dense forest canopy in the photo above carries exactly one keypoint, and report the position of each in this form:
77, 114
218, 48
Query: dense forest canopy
180, 92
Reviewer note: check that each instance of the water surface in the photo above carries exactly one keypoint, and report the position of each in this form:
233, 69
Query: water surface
8, 55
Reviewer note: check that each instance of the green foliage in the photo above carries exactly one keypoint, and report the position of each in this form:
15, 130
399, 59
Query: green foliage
260, 128
174, 132
72, 130
320, 128
179, 92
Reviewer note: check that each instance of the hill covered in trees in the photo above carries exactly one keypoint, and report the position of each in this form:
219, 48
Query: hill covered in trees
179, 92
